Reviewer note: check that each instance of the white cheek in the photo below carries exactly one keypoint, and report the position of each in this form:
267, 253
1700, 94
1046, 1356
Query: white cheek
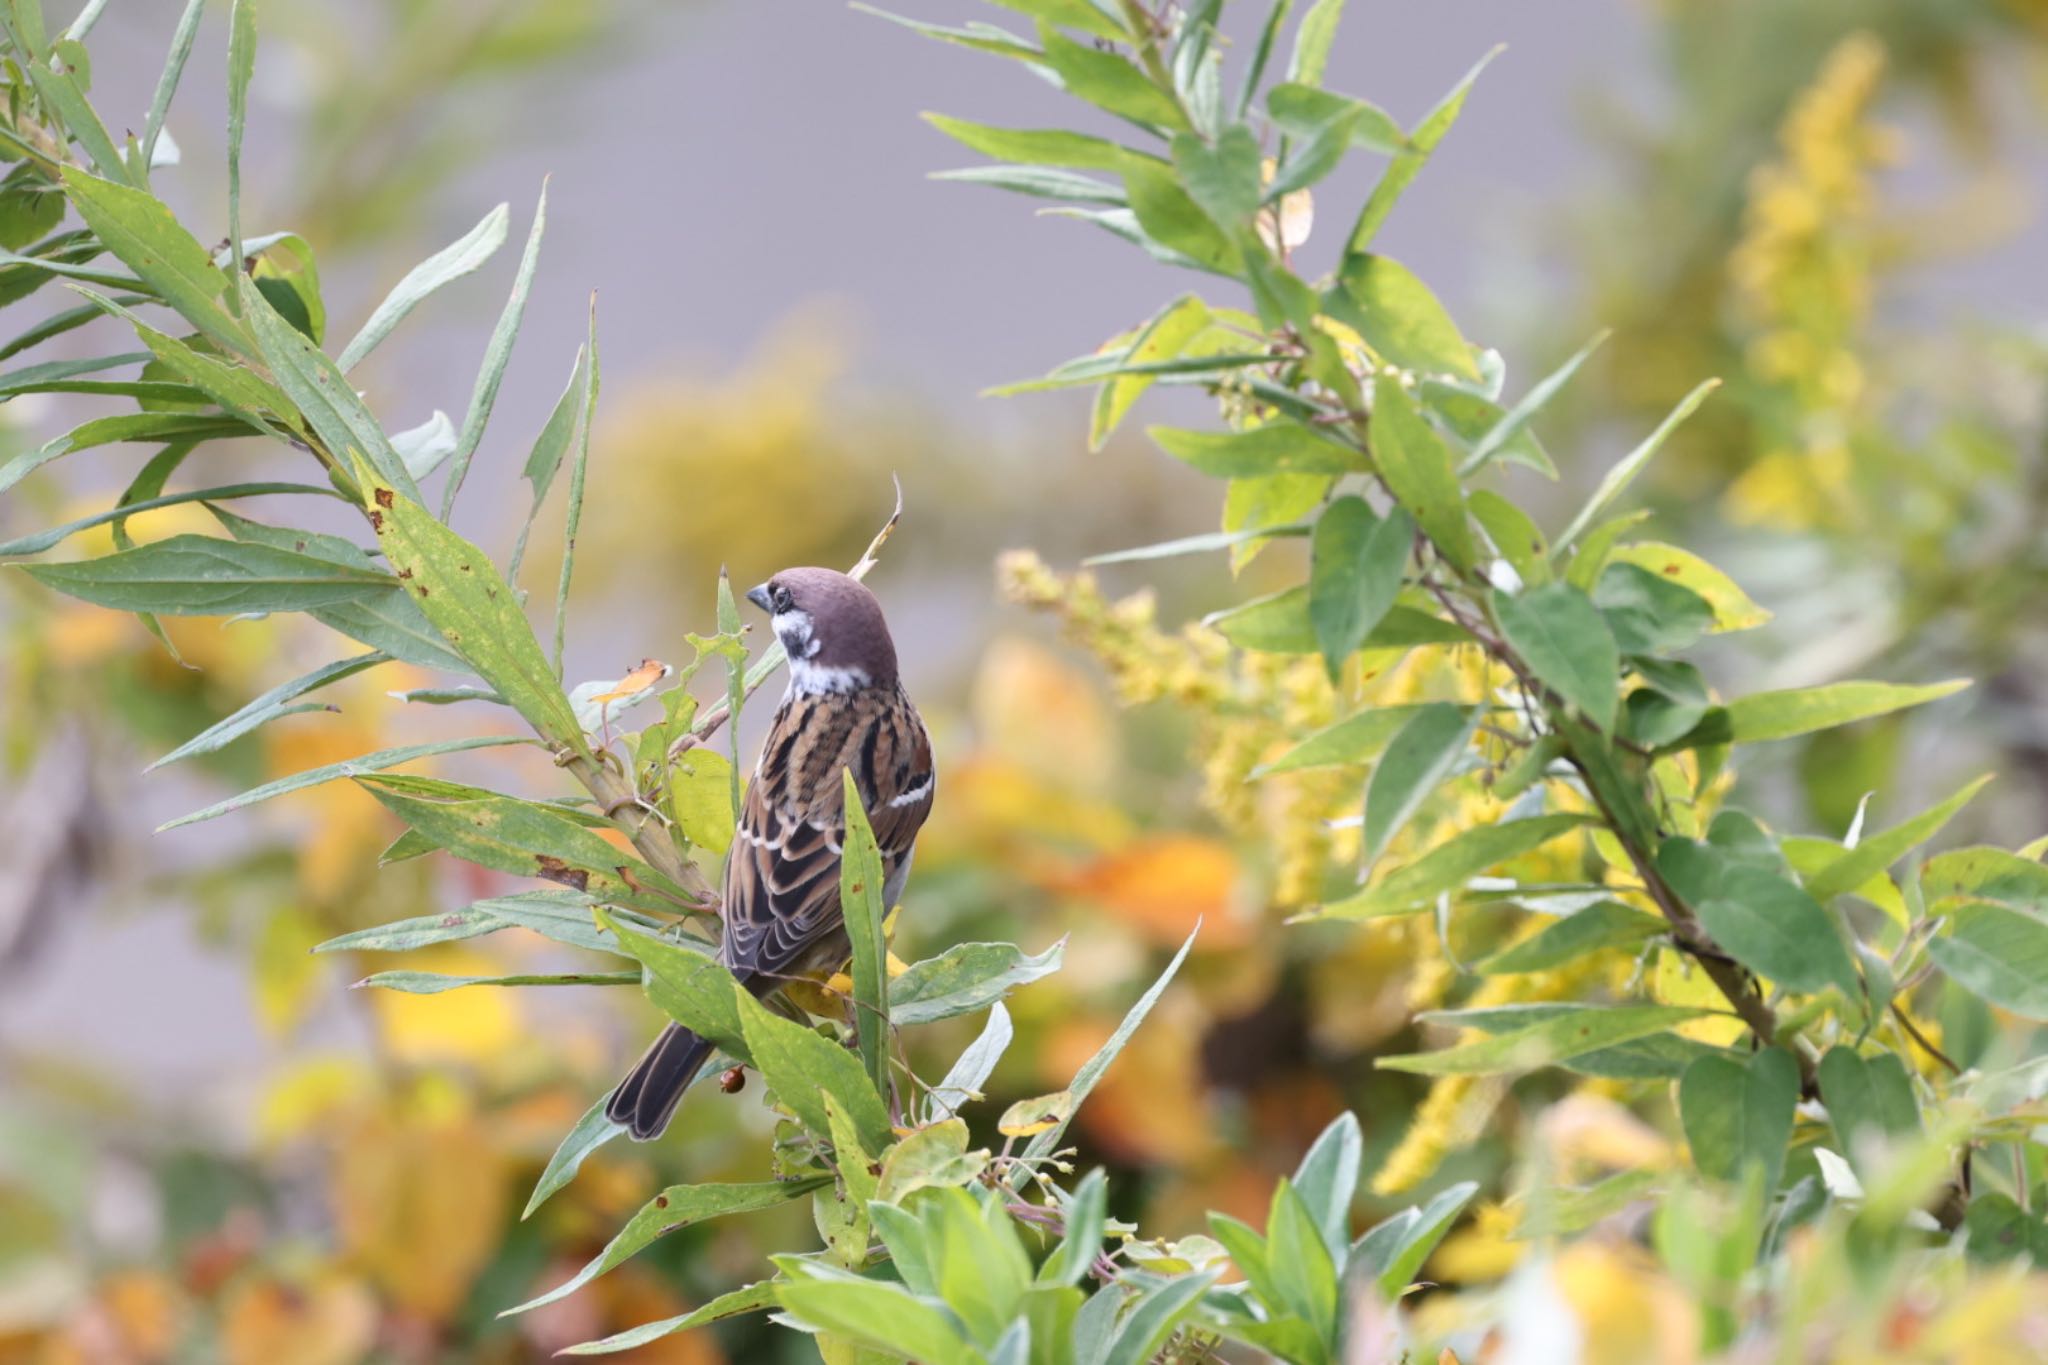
793, 628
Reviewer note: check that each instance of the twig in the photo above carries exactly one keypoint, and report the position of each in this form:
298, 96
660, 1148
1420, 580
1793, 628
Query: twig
1913, 1032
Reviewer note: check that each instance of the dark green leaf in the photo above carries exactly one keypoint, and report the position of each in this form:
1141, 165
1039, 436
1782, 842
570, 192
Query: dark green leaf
272, 704
1032, 147
1223, 178
1447, 867
1867, 1096
802, 1068
1737, 1113
1765, 922
201, 576
497, 352
1109, 81
1400, 318
1356, 564
1601, 925
1416, 465
140, 231
1279, 447
1648, 613
1998, 954
1416, 761
1564, 641
353, 767
1409, 163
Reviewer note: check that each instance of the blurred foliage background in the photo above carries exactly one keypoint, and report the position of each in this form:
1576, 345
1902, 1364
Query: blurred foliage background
1782, 219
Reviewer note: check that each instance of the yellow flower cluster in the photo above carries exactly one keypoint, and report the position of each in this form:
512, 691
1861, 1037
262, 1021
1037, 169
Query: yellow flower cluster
1249, 707
1802, 280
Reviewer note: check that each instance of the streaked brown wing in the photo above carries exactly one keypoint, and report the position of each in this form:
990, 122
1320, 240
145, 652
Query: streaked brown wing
782, 879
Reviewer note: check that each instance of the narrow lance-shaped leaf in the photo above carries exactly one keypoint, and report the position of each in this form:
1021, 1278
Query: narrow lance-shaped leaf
1631, 464
965, 978
1559, 1038
354, 767
754, 1298
1091, 1071
1416, 465
591, 1132
802, 1068
572, 521
675, 1208
1517, 418
450, 263
860, 899
546, 456
1409, 163
1356, 565
458, 589
1416, 761
241, 66
278, 701
36, 543
167, 84
143, 235
497, 352
200, 576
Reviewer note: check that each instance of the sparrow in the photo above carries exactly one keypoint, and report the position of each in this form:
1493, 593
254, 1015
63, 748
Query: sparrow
845, 709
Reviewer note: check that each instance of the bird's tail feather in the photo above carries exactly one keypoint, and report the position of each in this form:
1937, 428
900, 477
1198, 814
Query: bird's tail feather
647, 1098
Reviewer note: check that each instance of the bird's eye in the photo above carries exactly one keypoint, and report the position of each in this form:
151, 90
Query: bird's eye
780, 597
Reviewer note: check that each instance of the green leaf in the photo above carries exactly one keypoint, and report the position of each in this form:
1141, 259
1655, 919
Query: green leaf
1300, 1261
1173, 226
1400, 318
318, 390
802, 1068
1780, 715
1737, 1113
42, 540
1085, 1214
1279, 624
560, 916
1308, 113
546, 456
1517, 418
1262, 53
200, 576
1033, 147
572, 522
860, 897
1989, 874
1353, 739
143, 426
1416, 465
1999, 1230
1201, 544
141, 233
433, 983
1448, 866
268, 707
965, 978
1421, 143
1312, 42
1161, 339
167, 84
1733, 609
688, 984
1356, 563
1327, 1178
460, 257
1570, 1033
1563, 639
1042, 182
1513, 534
457, 589
238, 390
1648, 613
1470, 417
1631, 464
1552, 1212
1416, 761
1601, 925
752, 1299
497, 352
934, 1156
1867, 1095
1108, 81
522, 838
241, 66
1154, 1317
1078, 14
873, 1313
1091, 1071
1879, 851
1758, 917
1279, 447
1222, 179
1393, 1252
675, 1208
1998, 954
980, 37
1667, 706
63, 92
1590, 558
353, 767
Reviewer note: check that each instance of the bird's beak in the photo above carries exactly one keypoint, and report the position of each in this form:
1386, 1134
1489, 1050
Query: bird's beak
759, 597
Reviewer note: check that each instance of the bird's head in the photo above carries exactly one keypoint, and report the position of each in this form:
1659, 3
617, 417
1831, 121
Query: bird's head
832, 629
